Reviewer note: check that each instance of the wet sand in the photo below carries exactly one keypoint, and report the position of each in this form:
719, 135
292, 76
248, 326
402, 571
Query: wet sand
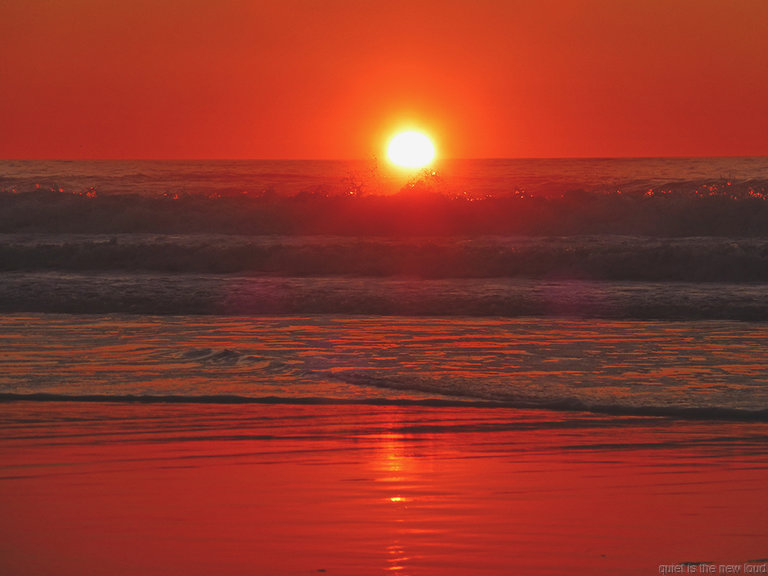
91, 488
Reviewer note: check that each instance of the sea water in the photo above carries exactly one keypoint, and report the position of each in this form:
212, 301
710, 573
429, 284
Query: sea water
626, 286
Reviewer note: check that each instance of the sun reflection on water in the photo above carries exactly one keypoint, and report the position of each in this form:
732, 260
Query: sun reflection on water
396, 468
397, 558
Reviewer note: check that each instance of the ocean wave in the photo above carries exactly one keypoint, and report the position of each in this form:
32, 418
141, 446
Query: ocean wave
224, 357
475, 178
692, 209
54, 292
567, 405
619, 258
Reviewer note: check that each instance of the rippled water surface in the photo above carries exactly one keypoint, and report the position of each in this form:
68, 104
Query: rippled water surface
712, 368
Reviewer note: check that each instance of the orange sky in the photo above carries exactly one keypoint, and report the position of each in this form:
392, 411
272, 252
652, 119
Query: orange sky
332, 78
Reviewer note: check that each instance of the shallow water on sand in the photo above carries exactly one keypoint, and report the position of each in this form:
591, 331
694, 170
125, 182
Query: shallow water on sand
711, 369
288, 490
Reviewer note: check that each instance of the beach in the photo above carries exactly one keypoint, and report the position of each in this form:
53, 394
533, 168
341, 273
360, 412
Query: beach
201, 375
91, 488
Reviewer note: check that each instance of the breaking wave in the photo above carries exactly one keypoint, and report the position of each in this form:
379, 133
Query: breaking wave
690, 209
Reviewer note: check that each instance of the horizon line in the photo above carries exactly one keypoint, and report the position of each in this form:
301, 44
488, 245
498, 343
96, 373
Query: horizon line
375, 158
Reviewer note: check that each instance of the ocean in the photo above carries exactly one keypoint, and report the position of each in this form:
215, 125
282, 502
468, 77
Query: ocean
274, 279
304, 342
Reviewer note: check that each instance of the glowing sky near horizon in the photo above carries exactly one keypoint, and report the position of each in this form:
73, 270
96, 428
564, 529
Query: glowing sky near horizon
333, 78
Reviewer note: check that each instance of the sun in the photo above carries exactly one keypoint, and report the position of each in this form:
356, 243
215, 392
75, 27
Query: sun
411, 149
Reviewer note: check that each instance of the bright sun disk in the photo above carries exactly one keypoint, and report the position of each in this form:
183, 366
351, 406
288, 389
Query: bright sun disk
411, 150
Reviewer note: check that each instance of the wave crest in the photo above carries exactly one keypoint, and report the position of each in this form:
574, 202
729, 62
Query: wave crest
737, 209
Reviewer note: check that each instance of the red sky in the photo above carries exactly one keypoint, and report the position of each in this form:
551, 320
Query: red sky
333, 78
